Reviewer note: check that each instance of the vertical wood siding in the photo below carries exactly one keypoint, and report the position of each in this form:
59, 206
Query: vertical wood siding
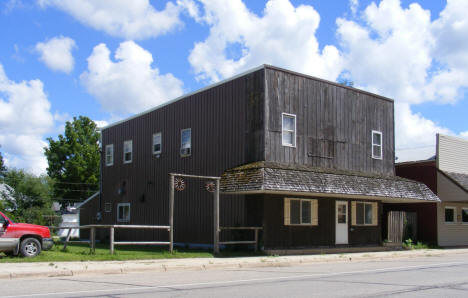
334, 124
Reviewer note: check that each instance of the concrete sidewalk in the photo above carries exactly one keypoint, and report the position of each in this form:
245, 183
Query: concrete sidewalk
54, 269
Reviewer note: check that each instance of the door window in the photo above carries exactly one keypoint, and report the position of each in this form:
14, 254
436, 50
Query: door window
342, 214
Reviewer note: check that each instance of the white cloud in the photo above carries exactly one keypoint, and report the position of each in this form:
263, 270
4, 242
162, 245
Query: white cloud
101, 123
464, 134
239, 40
56, 53
402, 54
353, 5
24, 118
130, 84
136, 19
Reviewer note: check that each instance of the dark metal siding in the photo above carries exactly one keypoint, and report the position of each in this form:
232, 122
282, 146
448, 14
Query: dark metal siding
334, 124
225, 133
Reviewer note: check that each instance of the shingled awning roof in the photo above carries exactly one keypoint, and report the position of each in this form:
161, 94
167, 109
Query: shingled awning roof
270, 177
460, 179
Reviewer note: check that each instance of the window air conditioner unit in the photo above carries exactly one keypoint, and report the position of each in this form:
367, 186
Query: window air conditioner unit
185, 151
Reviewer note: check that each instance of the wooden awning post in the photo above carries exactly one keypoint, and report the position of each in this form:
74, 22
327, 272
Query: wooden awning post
171, 213
216, 219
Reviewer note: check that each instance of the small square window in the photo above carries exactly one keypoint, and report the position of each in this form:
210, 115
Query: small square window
300, 211
157, 143
109, 155
123, 212
376, 144
107, 207
450, 214
364, 214
128, 151
186, 142
465, 215
288, 134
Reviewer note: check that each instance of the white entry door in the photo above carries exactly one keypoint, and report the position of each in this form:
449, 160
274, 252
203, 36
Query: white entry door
341, 222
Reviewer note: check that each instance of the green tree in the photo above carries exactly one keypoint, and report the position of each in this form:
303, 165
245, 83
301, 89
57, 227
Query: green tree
2, 166
74, 160
30, 199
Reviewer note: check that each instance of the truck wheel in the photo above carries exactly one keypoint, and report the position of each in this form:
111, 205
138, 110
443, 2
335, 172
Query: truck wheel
30, 247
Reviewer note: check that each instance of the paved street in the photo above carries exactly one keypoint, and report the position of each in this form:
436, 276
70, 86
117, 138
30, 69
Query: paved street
433, 276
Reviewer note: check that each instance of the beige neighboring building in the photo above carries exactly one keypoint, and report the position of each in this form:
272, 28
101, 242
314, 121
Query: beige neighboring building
444, 223
452, 189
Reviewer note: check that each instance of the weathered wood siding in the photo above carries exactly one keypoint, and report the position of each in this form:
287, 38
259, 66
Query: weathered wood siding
452, 154
227, 131
334, 123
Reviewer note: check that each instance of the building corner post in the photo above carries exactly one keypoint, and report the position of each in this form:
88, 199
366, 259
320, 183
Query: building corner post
171, 213
216, 219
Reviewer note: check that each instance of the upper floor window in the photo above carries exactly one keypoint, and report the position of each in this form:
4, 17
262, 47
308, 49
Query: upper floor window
186, 142
157, 143
288, 130
109, 155
376, 144
128, 151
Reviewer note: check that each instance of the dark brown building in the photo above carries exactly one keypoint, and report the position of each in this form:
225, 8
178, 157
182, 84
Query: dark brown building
309, 160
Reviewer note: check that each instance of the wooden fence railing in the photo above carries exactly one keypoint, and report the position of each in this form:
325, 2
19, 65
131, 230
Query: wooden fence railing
92, 235
255, 241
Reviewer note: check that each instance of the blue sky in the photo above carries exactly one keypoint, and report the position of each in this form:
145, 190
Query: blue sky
107, 61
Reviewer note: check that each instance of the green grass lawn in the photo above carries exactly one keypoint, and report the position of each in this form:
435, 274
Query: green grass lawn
81, 252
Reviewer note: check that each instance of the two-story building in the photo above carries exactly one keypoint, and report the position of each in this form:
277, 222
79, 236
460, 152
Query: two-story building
309, 160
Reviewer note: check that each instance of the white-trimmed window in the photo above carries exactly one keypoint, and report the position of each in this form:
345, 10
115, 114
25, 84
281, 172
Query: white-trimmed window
376, 144
108, 207
464, 215
288, 130
128, 151
186, 142
123, 212
450, 214
157, 143
109, 155
300, 212
364, 213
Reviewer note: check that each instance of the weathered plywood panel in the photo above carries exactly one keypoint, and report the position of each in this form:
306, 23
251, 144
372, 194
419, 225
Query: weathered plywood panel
334, 124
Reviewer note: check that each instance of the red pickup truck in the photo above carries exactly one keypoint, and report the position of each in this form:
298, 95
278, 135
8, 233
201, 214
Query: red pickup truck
25, 239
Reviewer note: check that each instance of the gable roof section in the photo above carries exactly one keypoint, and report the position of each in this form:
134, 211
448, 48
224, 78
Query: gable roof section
461, 180
268, 177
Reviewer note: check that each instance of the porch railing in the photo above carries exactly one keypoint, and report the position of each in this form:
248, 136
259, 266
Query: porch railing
255, 241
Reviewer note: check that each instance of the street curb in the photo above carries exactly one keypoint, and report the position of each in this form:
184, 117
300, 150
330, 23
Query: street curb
63, 269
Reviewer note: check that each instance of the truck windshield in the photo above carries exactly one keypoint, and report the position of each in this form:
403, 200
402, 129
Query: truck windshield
4, 218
